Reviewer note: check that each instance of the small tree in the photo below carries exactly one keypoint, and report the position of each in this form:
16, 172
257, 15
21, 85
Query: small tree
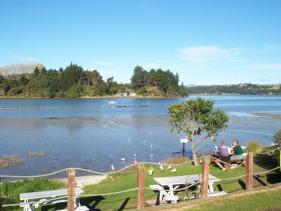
194, 117
215, 123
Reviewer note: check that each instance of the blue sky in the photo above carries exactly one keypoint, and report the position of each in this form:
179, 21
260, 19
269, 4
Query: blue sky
206, 42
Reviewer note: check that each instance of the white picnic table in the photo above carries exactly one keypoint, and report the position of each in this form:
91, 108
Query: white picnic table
174, 182
44, 197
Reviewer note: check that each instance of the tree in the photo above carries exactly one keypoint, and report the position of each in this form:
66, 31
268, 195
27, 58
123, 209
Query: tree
194, 117
139, 78
215, 123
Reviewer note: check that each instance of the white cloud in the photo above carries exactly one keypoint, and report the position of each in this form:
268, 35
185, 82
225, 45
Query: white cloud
22, 59
268, 66
199, 54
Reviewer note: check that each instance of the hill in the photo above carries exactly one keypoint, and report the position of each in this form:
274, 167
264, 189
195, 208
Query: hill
19, 68
239, 89
73, 82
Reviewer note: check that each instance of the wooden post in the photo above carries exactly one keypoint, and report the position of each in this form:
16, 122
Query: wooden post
140, 181
280, 160
249, 169
205, 177
71, 190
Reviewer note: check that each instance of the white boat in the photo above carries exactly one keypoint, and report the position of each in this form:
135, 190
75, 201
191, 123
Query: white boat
112, 102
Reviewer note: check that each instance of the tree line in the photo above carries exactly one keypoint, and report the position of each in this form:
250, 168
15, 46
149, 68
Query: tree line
242, 89
74, 82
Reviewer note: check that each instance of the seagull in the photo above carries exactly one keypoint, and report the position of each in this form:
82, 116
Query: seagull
112, 167
150, 172
169, 167
173, 170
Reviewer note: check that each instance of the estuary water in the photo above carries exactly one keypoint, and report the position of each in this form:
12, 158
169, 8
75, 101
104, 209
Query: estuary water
98, 133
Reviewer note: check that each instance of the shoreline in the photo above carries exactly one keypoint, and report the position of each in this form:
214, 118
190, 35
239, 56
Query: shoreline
89, 97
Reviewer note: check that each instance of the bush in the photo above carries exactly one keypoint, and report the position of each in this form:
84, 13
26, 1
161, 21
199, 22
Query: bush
73, 91
253, 146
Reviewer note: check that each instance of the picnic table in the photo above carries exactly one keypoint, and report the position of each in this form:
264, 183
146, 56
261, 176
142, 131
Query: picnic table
45, 198
175, 182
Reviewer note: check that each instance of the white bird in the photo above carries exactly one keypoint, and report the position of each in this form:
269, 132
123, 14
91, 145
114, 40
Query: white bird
169, 167
150, 171
112, 167
173, 170
161, 167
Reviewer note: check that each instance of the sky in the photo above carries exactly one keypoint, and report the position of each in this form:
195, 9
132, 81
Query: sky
205, 41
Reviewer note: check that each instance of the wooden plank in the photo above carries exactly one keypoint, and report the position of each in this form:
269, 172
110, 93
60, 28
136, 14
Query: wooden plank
47, 194
181, 180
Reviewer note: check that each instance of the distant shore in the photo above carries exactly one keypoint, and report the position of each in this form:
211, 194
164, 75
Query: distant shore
93, 97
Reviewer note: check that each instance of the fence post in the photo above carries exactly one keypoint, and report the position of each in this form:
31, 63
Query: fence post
249, 169
280, 159
71, 190
205, 177
140, 181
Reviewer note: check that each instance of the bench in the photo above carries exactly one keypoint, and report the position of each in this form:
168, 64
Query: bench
163, 193
46, 197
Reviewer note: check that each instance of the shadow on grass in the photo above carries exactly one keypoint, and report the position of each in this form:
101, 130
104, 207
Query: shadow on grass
265, 161
274, 177
242, 184
123, 205
90, 202
269, 162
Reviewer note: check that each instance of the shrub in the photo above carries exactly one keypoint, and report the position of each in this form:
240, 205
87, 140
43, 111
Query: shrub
253, 146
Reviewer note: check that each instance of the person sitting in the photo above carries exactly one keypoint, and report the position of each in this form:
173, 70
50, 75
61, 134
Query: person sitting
223, 160
237, 151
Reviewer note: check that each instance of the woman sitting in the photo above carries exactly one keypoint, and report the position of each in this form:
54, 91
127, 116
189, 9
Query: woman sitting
223, 160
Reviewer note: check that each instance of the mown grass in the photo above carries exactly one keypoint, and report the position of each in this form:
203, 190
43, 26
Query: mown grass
260, 201
128, 180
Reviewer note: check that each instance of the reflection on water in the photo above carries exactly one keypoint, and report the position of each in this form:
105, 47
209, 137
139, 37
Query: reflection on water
93, 134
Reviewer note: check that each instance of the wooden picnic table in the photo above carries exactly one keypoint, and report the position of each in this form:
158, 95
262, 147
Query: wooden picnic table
174, 182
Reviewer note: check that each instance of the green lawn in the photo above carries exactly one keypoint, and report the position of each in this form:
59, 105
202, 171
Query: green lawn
128, 180
258, 201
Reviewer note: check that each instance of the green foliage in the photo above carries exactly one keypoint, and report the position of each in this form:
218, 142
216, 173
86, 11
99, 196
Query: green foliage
243, 89
191, 115
165, 82
215, 123
74, 81
253, 146
277, 137
73, 91
196, 116
12, 189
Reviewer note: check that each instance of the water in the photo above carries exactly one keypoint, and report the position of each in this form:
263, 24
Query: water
96, 133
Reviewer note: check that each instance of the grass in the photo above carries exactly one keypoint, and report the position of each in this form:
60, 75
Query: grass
128, 180
259, 201
9, 191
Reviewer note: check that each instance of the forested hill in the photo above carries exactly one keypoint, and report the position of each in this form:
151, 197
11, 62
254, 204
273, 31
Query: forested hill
73, 82
242, 89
